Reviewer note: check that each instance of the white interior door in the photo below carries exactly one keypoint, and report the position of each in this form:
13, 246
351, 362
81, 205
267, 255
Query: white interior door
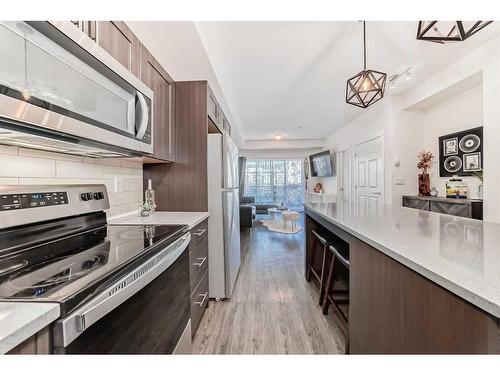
369, 175
345, 180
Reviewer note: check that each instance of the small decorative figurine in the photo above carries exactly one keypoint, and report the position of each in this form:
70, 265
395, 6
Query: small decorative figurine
318, 188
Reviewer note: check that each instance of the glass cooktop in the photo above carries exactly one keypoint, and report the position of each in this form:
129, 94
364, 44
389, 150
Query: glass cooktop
68, 270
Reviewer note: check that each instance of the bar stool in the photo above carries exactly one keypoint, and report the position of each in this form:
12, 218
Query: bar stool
340, 259
325, 241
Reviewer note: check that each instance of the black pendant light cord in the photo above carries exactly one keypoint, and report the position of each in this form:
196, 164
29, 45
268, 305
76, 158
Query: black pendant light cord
364, 46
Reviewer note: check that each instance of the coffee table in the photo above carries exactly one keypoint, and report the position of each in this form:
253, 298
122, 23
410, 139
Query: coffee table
276, 210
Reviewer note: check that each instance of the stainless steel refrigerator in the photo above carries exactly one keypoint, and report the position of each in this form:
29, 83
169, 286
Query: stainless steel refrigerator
224, 221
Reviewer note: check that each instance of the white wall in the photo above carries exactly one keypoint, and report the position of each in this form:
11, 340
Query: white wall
458, 113
178, 48
402, 140
22, 166
404, 130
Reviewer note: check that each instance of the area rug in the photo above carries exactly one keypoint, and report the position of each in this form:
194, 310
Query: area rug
277, 226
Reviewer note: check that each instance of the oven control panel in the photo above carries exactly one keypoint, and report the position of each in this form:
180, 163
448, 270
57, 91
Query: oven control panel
32, 200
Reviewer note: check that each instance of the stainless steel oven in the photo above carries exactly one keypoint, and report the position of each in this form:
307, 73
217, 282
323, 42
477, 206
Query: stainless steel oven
122, 289
60, 91
145, 311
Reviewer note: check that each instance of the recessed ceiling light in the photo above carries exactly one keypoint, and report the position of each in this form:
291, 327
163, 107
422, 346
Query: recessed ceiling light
278, 137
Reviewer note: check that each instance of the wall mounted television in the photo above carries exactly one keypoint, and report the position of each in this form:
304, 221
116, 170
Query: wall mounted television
321, 164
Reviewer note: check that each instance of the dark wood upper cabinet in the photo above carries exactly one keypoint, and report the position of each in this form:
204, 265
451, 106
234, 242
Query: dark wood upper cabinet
121, 43
153, 75
183, 185
117, 39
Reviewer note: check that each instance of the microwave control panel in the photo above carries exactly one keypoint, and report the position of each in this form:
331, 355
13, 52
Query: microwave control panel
32, 200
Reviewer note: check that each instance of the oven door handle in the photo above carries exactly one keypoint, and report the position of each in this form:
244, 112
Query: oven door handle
70, 327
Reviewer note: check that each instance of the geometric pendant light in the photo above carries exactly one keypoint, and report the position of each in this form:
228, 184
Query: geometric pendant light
448, 31
366, 87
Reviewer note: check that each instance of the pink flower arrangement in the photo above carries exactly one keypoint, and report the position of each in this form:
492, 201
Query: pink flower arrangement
425, 161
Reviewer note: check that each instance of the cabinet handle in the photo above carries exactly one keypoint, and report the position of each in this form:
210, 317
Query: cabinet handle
199, 264
203, 300
200, 232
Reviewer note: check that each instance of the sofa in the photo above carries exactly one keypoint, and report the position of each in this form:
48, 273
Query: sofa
247, 212
261, 209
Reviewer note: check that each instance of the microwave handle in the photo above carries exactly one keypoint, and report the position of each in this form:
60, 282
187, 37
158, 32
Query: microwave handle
144, 116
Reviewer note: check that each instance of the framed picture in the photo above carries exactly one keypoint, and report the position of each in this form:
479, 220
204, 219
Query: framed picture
461, 153
472, 162
450, 146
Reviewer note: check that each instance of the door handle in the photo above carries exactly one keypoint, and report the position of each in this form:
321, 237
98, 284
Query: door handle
203, 300
199, 264
377, 193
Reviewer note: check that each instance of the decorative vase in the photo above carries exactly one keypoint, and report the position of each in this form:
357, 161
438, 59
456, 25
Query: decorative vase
424, 184
434, 192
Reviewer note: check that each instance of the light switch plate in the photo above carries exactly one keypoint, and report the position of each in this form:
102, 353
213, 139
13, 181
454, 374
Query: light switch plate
399, 181
118, 185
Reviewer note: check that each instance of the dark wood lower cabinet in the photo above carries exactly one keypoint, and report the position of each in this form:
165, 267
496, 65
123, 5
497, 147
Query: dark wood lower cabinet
472, 208
394, 310
198, 273
199, 302
39, 343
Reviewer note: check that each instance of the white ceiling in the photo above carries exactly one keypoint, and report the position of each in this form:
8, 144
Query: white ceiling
290, 77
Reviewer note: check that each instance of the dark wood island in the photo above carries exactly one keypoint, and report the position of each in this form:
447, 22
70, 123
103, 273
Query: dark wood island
413, 287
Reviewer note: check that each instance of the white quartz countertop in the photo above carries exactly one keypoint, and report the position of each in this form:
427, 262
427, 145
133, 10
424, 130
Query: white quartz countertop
21, 320
162, 218
459, 254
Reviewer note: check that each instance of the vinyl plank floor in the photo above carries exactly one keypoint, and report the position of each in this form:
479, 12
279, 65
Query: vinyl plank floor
273, 309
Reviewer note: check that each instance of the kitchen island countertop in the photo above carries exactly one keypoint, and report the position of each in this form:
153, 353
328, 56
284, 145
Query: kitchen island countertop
459, 254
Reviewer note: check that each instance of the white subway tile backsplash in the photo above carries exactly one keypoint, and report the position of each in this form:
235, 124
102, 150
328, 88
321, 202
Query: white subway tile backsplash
109, 182
21, 166
123, 171
34, 167
82, 170
12, 150
104, 161
49, 155
9, 181
132, 184
50, 181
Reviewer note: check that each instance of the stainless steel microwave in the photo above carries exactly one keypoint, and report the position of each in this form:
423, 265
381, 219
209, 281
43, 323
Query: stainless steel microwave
60, 91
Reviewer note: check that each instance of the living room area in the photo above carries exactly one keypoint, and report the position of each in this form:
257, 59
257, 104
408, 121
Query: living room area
272, 193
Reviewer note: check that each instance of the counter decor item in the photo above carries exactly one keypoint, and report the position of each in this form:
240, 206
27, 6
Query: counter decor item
318, 188
145, 209
456, 188
149, 197
461, 153
424, 181
434, 192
